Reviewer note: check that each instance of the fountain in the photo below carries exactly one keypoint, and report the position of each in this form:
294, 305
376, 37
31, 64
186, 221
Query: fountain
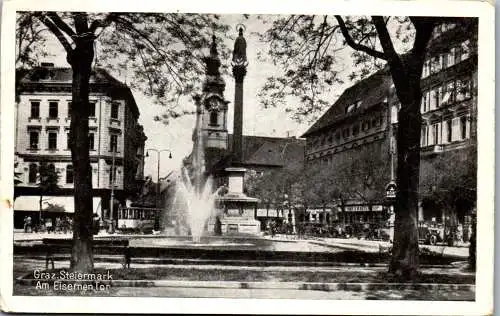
234, 212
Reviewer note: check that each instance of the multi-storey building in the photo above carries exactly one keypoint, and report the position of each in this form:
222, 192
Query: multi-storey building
42, 135
363, 122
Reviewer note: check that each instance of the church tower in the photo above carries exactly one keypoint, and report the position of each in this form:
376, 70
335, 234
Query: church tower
214, 106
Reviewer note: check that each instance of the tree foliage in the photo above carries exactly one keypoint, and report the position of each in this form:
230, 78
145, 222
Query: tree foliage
400, 44
163, 53
160, 54
48, 178
312, 52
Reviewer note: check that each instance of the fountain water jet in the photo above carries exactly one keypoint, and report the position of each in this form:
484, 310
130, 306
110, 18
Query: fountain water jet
199, 203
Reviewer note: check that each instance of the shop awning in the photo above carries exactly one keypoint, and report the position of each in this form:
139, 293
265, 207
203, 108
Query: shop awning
32, 203
262, 212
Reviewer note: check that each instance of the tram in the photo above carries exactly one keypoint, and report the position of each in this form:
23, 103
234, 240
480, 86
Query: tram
138, 219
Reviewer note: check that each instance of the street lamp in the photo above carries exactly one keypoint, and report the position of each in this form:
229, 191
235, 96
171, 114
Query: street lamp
111, 228
158, 152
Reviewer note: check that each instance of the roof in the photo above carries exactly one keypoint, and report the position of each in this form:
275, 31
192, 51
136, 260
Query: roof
271, 151
370, 91
64, 76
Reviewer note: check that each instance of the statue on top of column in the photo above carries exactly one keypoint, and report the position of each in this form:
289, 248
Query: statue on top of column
240, 50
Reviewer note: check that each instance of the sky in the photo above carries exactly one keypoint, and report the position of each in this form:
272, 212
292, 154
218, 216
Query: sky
176, 136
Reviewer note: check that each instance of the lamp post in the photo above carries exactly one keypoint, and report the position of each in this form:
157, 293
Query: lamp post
158, 152
111, 228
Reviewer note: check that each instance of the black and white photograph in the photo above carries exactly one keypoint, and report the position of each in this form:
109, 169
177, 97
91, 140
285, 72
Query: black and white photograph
306, 157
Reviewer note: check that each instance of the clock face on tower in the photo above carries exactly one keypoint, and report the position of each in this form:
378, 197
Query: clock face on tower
213, 104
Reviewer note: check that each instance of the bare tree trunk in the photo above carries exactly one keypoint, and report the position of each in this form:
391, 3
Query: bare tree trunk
40, 211
81, 61
405, 253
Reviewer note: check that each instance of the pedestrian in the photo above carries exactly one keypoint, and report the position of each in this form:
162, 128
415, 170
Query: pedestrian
58, 225
48, 225
25, 224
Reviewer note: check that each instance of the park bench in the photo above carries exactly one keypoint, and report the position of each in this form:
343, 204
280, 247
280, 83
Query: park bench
59, 245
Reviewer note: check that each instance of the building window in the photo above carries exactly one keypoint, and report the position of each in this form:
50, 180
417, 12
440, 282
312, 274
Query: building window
435, 98
32, 173
69, 109
69, 174
114, 110
345, 133
113, 144
355, 130
68, 142
450, 59
53, 112
448, 93
214, 118
463, 127
426, 71
92, 109
91, 141
435, 132
337, 136
35, 109
33, 140
448, 131
465, 50
463, 89
350, 108
52, 140
436, 63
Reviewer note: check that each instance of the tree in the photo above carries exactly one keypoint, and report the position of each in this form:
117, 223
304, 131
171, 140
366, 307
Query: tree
48, 179
306, 48
163, 52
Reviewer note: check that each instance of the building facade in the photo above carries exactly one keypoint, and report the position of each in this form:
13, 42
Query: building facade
360, 129
42, 135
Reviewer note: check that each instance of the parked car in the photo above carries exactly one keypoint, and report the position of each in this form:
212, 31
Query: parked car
431, 233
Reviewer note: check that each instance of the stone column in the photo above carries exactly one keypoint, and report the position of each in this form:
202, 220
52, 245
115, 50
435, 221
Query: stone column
239, 64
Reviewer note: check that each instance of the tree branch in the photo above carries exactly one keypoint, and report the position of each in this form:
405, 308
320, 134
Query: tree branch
63, 26
55, 30
102, 22
357, 46
385, 39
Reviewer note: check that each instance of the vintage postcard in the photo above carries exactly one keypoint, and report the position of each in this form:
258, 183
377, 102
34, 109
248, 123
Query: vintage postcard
228, 157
